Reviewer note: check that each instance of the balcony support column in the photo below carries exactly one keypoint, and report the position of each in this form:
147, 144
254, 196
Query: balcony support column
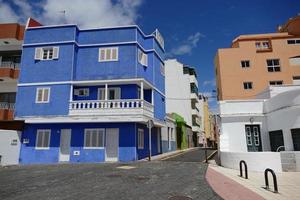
106, 92
142, 90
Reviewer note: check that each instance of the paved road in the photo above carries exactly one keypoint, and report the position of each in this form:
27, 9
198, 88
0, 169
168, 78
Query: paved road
146, 180
197, 155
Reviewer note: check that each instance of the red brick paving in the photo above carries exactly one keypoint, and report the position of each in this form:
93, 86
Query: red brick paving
228, 188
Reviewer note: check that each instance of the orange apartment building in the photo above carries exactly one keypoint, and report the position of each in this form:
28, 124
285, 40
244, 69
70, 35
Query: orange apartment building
256, 61
11, 40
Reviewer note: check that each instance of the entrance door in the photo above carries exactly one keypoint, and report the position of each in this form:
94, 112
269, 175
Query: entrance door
296, 138
64, 150
158, 140
253, 138
276, 140
112, 144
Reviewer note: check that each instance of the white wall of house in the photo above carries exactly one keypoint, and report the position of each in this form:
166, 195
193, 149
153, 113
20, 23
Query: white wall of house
168, 136
178, 90
9, 147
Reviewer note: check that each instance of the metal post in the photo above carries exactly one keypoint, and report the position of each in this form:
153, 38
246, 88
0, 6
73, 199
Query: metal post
274, 180
241, 169
150, 144
206, 161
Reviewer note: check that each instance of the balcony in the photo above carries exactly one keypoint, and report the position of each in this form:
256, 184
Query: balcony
126, 108
7, 111
9, 69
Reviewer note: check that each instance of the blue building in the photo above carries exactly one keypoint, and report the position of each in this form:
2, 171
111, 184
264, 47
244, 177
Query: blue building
86, 95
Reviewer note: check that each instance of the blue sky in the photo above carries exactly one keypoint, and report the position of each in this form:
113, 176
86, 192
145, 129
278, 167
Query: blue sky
193, 29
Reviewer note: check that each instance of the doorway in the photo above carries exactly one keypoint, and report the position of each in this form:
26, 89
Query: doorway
253, 138
112, 144
65, 140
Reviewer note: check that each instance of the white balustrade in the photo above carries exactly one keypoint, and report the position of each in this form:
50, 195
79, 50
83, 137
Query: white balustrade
121, 104
5, 105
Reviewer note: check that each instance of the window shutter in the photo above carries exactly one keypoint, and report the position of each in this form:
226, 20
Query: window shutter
38, 53
115, 54
46, 95
55, 52
39, 95
101, 54
108, 54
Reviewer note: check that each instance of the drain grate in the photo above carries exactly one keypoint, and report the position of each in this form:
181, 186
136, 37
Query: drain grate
180, 198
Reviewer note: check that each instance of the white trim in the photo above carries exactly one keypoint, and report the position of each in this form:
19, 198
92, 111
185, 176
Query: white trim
98, 132
92, 82
111, 59
38, 131
43, 92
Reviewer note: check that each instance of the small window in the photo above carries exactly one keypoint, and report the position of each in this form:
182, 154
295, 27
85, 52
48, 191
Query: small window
247, 85
276, 82
42, 95
245, 63
82, 92
42, 139
108, 54
294, 41
294, 61
162, 69
114, 93
296, 80
142, 58
262, 45
273, 65
140, 138
93, 138
101, 94
46, 53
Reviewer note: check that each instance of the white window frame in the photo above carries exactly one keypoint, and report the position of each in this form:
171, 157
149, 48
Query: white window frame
43, 93
141, 139
101, 90
273, 66
142, 58
42, 131
39, 53
247, 85
245, 63
99, 130
106, 50
86, 92
296, 40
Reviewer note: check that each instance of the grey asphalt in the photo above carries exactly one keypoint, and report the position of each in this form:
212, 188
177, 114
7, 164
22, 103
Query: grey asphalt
146, 180
196, 155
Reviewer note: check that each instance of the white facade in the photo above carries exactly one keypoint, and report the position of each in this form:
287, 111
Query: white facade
179, 98
280, 112
9, 147
168, 135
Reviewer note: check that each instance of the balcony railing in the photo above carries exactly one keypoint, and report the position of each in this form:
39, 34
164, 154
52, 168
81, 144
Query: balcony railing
5, 105
9, 64
118, 107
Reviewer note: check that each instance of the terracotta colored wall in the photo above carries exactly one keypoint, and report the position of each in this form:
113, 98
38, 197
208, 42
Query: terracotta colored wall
230, 74
12, 31
6, 114
11, 73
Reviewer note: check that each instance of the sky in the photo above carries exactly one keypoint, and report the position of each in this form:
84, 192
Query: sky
193, 30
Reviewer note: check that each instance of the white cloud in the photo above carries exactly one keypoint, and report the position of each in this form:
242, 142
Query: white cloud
7, 14
187, 46
87, 14
209, 82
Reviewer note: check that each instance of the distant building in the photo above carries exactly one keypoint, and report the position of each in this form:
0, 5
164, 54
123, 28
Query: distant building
209, 125
182, 95
253, 62
11, 40
86, 95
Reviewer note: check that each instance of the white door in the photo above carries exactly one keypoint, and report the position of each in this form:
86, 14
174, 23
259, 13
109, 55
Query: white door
65, 140
112, 144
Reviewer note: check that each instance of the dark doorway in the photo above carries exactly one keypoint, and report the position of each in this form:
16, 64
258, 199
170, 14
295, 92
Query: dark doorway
296, 138
276, 139
253, 138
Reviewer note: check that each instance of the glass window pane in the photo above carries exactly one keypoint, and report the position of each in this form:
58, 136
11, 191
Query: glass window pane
40, 95
108, 54
100, 138
39, 139
46, 93
102, 54
87, 138
46, 139
114, 53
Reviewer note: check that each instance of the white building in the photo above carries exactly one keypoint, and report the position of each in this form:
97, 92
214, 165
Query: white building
269, 123
182, 94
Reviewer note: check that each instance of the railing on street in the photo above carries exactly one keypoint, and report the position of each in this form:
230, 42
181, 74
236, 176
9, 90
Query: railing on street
241, 169
274, 180
5, 105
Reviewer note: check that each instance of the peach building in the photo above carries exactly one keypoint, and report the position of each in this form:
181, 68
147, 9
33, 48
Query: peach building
11, 40
253, 62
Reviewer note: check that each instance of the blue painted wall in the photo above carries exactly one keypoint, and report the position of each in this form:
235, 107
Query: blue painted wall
127, 143
58, 104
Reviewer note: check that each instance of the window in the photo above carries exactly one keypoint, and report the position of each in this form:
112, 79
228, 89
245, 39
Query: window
273, 65
83, 92
294, 61
142, 58
275, 82
162, 69
172, 134
139, 93
248, 136
296, 80
93, 138
262, 45
46, 53
293, 41
245, 63
112, 93
42, 95
108, 54
140, 138
42, 139
247, 85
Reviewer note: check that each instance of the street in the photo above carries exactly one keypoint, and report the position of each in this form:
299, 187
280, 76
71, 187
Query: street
180, 178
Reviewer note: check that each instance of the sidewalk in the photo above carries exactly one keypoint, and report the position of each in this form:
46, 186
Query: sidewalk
170, 154
240, 188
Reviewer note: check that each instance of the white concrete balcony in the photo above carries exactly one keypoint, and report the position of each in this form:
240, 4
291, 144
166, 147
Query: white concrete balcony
194, 96
196, 129
117, 109
195, 112
193, 79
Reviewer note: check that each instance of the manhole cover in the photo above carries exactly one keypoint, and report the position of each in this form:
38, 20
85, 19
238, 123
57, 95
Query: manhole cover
113, 175
180, 198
